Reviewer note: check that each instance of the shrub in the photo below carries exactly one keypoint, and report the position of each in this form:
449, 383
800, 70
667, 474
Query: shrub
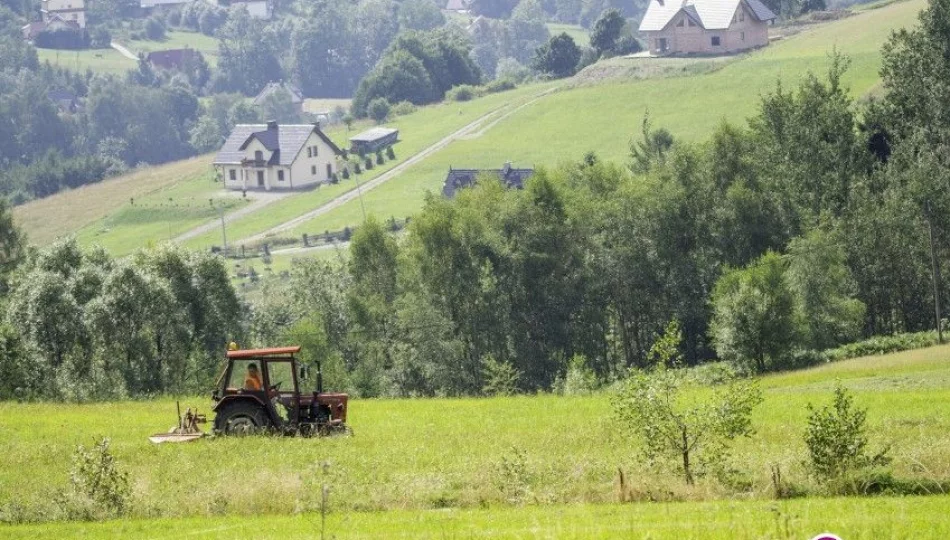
882, 345
64, 38
100, 38
501, 378
378, 110
97, 488
578, 379
837, 440
403, 108
628, 45
357, 169
369, 163
346, 173
390, 153
154, 29
500, 85
464, 92
379, 158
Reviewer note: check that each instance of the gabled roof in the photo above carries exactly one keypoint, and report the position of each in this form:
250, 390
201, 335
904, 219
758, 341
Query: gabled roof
457, 179
285, 141
710, 14
296, 96
373, 134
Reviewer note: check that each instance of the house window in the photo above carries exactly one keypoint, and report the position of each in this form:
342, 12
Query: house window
691, 23
313, 170
715, 41
232, 174
742, 36
314, 151
742, 15
258, 155
280, 176
680, 24
309, 152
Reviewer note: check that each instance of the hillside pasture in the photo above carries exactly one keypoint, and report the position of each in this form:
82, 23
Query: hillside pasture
604, 118
427, 454
108, 61
68, 211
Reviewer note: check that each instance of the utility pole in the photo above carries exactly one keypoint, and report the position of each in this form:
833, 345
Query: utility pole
359, 193
935, 276
224, 231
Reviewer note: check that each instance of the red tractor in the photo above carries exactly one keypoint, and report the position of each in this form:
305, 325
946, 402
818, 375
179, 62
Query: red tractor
260, 391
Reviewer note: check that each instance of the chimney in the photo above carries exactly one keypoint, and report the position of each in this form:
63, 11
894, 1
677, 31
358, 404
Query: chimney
271, 125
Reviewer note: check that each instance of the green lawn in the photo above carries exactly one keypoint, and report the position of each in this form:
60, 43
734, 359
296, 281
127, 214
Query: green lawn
207, 45
578, 33
428, 454
853, 519
162, 214
98, 60
603, 118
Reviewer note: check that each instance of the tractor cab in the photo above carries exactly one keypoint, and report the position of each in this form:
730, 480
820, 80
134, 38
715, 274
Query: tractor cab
261, 389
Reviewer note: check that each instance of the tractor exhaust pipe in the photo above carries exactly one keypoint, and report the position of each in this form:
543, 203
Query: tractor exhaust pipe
319, 378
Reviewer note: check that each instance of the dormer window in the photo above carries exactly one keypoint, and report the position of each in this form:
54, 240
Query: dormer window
258, 155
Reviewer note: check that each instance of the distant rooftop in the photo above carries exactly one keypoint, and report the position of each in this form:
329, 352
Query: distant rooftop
374, 134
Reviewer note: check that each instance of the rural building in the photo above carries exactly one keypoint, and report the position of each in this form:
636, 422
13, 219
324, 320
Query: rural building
705, 26
271, 156
510, 177
55, 22
296, 96
65, 100
460, 6
373, 140
66, 10
170, 58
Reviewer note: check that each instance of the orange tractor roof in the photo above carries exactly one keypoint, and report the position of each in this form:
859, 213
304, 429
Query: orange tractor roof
254, 353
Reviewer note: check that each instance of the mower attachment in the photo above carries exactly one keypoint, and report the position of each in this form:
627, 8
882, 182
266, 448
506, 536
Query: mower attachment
186, 430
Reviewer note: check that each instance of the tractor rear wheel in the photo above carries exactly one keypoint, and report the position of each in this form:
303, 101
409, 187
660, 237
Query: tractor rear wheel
241, 418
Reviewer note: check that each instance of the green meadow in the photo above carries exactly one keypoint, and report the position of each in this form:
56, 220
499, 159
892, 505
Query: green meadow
438, 464
108, 61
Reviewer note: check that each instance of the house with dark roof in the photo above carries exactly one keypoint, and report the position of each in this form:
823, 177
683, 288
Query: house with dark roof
705, 26
170, 58
65, 100
509, 176
373, 140
272, 156
52, 23
296, 96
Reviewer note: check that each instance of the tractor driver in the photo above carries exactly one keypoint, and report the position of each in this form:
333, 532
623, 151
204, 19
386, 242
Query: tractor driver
253, 379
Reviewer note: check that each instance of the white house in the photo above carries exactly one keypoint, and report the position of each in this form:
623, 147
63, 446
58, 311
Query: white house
66, 10
271, 156
705, 26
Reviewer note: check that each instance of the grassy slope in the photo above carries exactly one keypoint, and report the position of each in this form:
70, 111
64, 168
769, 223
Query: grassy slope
603, 118
854, 519
207, 45
578, 33
69, 211
97, 60
426, 454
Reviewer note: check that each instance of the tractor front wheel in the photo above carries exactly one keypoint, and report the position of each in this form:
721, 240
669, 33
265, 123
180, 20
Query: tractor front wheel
241, 418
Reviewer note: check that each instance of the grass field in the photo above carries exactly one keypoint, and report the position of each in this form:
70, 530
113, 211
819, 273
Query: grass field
206, 45
853, 519
67, 212
98, 60
603, 118
430, 454
578, 33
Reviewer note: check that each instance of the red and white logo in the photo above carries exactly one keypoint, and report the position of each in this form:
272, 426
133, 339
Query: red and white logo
827, 536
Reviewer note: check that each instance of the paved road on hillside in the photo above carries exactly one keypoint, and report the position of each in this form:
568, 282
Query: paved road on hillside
123, 51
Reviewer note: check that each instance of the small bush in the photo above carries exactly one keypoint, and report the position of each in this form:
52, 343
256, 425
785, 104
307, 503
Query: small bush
512, 477
378, 110
578, 379
403, 108
97, 488
346, 173
882, 345
369, 163
837, 441
501, 378
357, 169
154, 29
462, 92
379, 158
500, 85
390, 153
